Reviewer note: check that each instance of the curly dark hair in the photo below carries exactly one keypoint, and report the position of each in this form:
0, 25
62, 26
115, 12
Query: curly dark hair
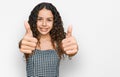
57, 33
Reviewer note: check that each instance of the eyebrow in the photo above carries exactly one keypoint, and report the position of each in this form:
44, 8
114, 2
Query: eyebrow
47, 17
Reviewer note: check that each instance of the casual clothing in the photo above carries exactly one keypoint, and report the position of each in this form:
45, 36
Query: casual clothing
43, 63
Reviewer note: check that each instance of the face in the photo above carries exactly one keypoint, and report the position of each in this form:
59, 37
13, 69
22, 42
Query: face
44, 21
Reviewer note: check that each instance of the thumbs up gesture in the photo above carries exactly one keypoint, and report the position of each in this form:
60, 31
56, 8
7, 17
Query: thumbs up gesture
28, 43
69, 44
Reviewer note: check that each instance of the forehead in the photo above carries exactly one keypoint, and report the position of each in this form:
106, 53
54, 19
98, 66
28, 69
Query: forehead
45, 13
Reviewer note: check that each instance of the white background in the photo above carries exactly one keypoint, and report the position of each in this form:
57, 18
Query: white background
96, 26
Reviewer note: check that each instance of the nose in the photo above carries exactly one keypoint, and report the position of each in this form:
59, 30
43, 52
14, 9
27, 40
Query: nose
44, 23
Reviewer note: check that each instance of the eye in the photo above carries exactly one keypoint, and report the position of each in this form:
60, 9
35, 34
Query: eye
49, 19
39, 19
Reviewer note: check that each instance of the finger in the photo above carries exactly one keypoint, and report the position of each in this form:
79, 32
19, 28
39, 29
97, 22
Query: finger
26, 51
69, 31
30, 39
25, 47
70, 47
71, 52
68, 40
27, 43
28, 30
68, 44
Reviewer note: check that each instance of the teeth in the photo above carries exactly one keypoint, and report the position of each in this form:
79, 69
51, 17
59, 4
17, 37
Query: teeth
44, 30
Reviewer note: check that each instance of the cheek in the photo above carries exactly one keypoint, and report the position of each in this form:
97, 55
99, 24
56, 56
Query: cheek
39, 24
51, 25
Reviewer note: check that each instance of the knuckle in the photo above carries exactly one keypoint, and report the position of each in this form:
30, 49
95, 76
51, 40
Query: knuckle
35, 40
23, 42
33, 48
34, 44
25, 37
21, 50
29, 51
22, 47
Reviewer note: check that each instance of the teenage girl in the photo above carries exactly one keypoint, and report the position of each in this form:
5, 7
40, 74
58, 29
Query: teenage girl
45, 41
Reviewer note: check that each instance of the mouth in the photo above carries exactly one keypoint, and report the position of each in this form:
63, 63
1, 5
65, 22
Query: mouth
44, 29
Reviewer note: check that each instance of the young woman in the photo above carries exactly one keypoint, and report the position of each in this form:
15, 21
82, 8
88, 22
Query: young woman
45, 41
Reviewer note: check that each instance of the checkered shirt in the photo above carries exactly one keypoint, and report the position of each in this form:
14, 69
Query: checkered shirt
43, 63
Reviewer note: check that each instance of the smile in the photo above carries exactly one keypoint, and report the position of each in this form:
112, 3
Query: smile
44, 29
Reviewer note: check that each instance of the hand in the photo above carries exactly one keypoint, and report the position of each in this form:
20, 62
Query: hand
69, 44
28, 43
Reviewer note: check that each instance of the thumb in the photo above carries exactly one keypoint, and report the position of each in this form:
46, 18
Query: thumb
69, 31
28, 30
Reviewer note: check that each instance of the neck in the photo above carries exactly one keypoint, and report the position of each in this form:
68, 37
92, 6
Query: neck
45, 37
45, 42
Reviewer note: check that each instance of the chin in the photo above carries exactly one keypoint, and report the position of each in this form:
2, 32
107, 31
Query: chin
43, 33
